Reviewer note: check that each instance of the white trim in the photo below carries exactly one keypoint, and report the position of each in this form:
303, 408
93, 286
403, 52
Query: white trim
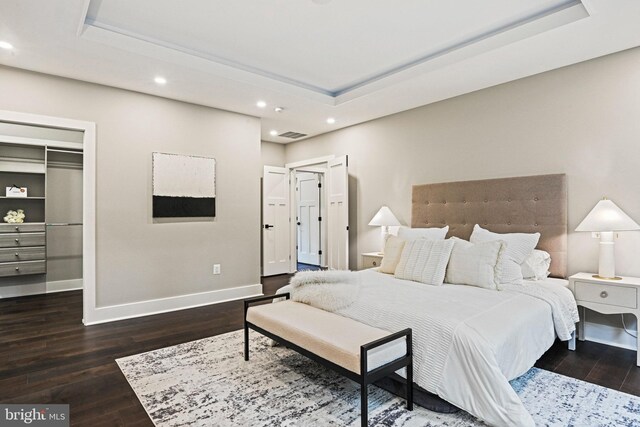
609, 335
89, 195
39, 288
164, 305
64, 285
309, 162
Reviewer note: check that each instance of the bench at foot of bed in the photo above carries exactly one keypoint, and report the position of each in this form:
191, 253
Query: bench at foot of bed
357, 351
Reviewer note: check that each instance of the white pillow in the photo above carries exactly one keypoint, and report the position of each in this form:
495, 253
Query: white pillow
432, 233
392, 251
519, 247
424, 261
536, 266
475, 264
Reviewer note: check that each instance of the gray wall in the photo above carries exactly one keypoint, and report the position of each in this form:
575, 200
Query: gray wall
582, 120
272, 154
138, 259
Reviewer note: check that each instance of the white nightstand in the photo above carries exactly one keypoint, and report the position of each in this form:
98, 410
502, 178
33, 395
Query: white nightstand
606, 296
371, 259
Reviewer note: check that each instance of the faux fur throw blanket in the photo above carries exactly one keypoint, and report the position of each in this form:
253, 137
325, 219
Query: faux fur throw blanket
328, 290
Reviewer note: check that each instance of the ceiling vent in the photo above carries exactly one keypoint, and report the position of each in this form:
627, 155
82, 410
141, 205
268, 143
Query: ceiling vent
292, 135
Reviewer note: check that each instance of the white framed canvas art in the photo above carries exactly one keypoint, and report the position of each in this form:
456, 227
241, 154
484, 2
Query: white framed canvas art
183, 186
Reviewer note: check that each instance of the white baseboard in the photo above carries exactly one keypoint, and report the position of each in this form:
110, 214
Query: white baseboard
610, 335
38, 287
64, 285
164, 305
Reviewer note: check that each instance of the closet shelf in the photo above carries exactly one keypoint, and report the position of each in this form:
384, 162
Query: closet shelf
22, 198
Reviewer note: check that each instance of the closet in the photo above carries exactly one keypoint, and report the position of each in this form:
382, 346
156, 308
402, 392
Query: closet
40, 174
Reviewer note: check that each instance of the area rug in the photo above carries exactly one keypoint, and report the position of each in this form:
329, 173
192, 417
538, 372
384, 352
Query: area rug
208, 383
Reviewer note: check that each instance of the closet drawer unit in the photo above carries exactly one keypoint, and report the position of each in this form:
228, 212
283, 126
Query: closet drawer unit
16, 240
22, 228
22, 254
22, 268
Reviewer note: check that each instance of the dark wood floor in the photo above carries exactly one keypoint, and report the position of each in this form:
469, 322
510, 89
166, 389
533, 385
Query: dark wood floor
48, 356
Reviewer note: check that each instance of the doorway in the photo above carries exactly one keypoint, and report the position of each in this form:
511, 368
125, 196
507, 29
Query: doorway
322, 236
309, 196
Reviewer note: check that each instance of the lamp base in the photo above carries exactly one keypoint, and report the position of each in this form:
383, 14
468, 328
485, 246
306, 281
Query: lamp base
597, 276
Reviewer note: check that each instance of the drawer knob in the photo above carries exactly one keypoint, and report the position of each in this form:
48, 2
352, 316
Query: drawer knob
375, 262
17, 228
17, 268
604, 294
17, 240
17, 255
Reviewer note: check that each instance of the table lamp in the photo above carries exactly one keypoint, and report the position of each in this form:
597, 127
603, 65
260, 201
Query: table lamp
607, 218
384, 218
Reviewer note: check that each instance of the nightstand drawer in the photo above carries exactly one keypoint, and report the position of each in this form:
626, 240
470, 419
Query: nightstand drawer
371, 261
619, 296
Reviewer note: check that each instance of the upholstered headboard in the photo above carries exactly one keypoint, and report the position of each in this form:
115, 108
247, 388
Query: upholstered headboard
506, 205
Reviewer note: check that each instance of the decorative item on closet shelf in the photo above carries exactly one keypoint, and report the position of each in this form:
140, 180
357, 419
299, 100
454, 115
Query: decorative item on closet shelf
606, 297
15, 191
384, 218
15, 217
606, 218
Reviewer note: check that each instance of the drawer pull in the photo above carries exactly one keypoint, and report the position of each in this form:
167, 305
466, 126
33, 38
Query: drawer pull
17, 228
17, 240
375, 263
17, 255
17, 268
604, 294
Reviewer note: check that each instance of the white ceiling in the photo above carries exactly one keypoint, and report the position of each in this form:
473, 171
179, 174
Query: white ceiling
353, 60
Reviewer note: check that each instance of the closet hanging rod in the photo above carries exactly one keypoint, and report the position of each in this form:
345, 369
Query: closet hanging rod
62, 224
57, 150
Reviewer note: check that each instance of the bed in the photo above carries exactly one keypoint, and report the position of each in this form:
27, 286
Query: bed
468, 341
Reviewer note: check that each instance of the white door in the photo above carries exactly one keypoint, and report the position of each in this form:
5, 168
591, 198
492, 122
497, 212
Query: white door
308, 217
275, 221
338, 213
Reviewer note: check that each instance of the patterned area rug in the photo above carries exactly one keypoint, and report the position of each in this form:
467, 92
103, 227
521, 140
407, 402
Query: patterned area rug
208, 383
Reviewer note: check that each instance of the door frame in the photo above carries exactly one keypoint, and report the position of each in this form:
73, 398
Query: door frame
292, 167
88, 193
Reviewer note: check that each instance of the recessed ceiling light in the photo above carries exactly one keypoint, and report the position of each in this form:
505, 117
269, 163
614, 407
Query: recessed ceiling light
6, 45
331, 120
160, 80
273, 132
261, 104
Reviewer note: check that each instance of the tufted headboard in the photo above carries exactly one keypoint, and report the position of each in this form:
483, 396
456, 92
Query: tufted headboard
505, 205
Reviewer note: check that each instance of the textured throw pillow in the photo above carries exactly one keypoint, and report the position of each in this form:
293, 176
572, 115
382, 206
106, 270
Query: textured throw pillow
392, 250
475, 264
424, 261
432, 233
536, 266
519, 247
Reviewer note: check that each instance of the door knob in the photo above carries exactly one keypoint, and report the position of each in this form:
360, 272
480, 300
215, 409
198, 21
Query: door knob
298, 223
268, 226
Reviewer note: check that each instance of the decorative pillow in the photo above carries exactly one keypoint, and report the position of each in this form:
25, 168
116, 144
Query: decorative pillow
519, 247
392, 251
432, 233
425, 261
475, 264
536, 266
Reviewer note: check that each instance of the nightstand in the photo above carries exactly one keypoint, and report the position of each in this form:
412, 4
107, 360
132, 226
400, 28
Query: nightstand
371, 259
606, 296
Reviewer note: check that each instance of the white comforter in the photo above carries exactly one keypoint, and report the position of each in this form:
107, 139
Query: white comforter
470, 342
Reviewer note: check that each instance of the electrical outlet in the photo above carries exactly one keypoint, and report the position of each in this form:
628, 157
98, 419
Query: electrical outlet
216, 268
595, 235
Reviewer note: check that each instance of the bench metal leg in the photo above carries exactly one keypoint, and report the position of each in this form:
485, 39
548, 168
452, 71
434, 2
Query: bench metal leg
246, 342
410, 386
364, 404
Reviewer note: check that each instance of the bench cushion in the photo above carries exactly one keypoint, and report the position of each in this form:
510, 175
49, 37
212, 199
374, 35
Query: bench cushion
328, 335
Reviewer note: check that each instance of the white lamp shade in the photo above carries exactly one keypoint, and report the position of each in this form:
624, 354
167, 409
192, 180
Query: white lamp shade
606, 216
384, 218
